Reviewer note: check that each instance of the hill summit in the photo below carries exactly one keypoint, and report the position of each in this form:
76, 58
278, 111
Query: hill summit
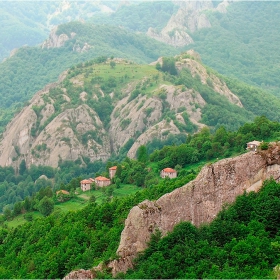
99, 107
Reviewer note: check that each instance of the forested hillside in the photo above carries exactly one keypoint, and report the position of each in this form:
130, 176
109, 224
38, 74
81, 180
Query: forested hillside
243, 43
246, 244
31, 68
139, 16
30, 22
110, 106
18, 187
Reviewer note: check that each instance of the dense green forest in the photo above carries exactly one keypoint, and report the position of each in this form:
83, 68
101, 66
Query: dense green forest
139, 16
22, 24
30, 22
243, 43
243, 241
53, 246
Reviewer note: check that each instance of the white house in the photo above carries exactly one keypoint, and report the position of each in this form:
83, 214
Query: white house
168, 172
86, 184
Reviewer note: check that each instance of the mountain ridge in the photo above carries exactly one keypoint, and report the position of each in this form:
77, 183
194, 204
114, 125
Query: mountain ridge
97, 109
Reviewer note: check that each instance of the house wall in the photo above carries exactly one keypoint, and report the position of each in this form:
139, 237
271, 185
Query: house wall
112, 173
85, 187
102, 183
171, 175
252, 147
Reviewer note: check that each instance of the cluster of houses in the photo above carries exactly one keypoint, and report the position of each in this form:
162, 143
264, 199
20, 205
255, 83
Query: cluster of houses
101, 181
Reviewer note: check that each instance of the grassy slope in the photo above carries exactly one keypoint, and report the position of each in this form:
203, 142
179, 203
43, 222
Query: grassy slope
77, 203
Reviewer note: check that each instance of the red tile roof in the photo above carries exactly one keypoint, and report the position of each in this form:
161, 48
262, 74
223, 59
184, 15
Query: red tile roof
169, 170
100, 178
113, 168
86, 181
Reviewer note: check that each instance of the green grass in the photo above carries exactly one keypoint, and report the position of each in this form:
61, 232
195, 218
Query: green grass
19, 220
76, 203
127, 73
71, 205
126, 190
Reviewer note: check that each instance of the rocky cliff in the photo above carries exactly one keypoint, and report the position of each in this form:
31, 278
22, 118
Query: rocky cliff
43, 134
198, 202
191, 16
65, 120
56, 41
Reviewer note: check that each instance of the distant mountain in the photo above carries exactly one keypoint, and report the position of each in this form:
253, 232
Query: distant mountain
243, 43
31, 68
237, 38
112, 106
29, 22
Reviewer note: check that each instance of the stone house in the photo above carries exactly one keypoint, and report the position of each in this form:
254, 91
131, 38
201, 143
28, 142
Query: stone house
168, 172
102, 181
86, 184
253, 146
112, 171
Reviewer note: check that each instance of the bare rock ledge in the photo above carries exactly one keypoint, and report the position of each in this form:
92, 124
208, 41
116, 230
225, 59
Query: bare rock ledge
199, 201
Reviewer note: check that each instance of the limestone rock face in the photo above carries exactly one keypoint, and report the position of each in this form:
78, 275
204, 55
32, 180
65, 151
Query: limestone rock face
197, 68
176, 98
61, 136
79, 274
198, 202
56, 41
222, 7
143, 116
59, 125
189, 18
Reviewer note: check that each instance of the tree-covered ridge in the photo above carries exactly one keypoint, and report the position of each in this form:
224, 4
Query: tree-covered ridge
120, 96
31, 68
242, 242
243, 43
30, 22
139, 16
117, 96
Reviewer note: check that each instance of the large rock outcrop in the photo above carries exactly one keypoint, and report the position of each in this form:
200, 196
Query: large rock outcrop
189, 18
62, 123
61, 134
56, 41
198, 201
